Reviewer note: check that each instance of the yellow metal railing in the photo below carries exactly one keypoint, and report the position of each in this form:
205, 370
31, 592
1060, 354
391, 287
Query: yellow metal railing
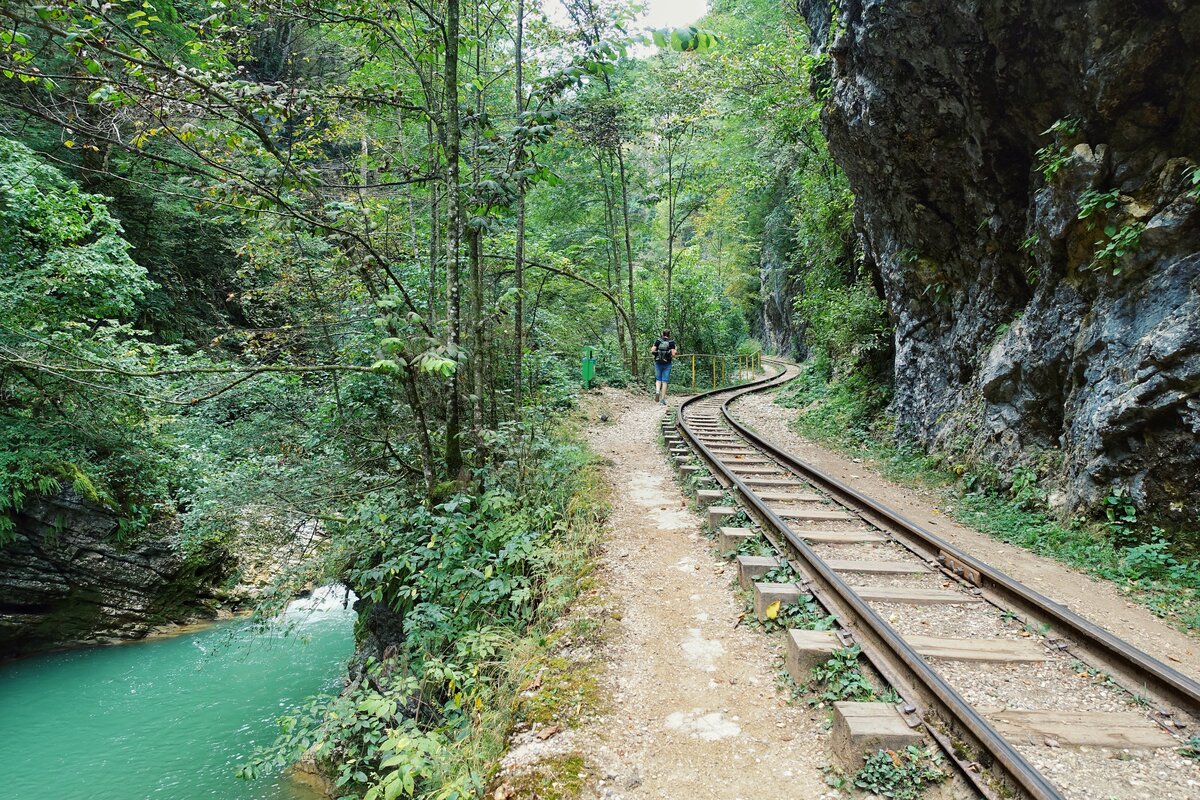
700, 371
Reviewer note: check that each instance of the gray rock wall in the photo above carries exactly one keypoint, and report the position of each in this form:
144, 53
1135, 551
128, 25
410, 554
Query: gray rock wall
777, 292
64, 581
777, 326
1015, 342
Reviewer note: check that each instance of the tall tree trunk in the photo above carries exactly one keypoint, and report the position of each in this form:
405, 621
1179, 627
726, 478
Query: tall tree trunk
454, 230
418, 410
435, 224
613, 280
633, 334
475, 325
413, 238
475, 236
519, 248
670, 226
594, 20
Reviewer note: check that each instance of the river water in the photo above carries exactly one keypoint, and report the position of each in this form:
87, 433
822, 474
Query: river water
170, 717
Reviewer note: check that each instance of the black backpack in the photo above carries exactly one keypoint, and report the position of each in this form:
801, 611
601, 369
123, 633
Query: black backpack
662, 351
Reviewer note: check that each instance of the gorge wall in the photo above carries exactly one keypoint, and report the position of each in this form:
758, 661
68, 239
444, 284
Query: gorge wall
975, 135
64, 580
776, 327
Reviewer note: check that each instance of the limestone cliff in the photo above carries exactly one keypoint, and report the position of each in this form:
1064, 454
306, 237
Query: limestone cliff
64, 580
775, 326
1025, 178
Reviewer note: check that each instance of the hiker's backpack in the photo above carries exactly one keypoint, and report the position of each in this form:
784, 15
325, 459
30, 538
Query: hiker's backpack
662, 351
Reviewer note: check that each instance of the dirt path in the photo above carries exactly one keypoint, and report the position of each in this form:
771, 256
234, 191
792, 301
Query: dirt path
1095, 599
687, 700
692, 706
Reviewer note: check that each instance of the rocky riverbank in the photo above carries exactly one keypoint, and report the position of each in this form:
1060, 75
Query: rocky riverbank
66, 580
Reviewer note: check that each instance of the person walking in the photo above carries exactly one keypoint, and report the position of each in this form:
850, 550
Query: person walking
664, 352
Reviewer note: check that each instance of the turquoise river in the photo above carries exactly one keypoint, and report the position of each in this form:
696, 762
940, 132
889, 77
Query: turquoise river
170, 717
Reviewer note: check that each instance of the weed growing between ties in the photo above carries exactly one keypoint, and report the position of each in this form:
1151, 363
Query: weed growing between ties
739, 519
847, 414
783, 573
806, 615
839, 678
698, 479
1191, 749
752, 546
898, 775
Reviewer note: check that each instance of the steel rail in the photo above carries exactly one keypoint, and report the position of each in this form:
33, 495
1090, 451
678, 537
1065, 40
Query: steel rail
875, 636
1137, 667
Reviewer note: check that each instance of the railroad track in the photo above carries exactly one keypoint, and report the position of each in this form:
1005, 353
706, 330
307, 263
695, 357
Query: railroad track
904, 597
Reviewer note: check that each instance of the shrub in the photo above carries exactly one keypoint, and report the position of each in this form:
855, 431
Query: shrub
848, 324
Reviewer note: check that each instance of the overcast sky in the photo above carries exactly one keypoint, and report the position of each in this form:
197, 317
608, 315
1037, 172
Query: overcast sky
673, 13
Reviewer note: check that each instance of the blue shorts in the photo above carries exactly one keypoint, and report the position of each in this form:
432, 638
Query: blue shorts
662, 372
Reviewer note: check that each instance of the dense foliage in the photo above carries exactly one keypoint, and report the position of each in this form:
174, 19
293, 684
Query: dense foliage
403, 235
68, 416
464, 580
323, 269
300, 267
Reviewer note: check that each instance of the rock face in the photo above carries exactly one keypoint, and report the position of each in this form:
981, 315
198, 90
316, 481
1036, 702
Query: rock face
64, 580
775, 328
1026, 180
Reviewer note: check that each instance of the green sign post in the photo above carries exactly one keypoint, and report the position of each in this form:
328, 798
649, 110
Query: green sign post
588, 369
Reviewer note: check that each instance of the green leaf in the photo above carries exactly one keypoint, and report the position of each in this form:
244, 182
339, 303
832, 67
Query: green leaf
386, 366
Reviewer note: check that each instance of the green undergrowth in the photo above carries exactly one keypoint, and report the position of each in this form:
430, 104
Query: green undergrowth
500, 627
1191, 749
805, 615
739, 518
752, 546
559, 683
847, 415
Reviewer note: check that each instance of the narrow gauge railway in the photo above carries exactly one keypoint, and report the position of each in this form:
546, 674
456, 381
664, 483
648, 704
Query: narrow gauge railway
985, 666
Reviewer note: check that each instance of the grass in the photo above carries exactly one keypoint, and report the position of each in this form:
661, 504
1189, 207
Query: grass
540, 684
560, 691
559, 777
1191, 749
847, 415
